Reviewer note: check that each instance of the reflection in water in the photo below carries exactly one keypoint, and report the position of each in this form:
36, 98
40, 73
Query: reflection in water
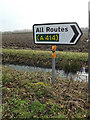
79, 76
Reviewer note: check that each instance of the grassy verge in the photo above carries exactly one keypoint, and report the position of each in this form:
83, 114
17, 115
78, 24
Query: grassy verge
31, 95
44, 58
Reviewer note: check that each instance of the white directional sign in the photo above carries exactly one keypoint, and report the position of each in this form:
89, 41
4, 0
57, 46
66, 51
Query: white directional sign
56, 33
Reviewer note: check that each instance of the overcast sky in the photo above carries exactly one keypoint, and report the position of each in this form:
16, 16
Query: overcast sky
22, 14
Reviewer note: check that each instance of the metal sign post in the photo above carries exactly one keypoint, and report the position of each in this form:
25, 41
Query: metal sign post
53, 63
89, 53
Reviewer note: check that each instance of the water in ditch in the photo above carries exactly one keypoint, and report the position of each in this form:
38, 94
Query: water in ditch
78, 76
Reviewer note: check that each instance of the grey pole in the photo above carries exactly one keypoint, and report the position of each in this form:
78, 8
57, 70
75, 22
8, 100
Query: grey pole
53, 70
89, 53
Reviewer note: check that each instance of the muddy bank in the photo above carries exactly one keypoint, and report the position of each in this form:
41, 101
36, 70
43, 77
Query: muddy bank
71, 61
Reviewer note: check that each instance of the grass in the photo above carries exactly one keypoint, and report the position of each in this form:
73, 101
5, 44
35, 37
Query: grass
32, 95
44, 59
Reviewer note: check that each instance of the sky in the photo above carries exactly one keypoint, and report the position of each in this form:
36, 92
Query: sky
22, 14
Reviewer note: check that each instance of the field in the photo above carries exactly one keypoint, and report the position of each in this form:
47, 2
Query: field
19, 40
31, 94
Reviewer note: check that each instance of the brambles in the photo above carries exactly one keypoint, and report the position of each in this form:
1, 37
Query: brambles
71, 67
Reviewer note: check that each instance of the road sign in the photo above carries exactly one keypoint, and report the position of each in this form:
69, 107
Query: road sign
56, 33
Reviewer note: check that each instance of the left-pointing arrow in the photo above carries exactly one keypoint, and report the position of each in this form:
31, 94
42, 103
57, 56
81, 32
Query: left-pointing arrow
75, 33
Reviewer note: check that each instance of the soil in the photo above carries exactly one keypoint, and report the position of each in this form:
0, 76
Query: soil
18, 40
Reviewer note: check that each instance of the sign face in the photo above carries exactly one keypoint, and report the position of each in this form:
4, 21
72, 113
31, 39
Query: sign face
56, 33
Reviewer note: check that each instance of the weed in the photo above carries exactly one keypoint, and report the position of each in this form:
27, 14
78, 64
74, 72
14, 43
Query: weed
28, 97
